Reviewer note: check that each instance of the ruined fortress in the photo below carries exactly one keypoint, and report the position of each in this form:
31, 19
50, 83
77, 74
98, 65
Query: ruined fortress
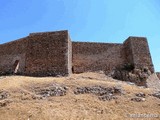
53, 54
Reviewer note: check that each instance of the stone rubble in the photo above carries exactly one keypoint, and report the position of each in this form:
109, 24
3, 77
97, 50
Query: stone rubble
3, 94
138, 99
103, 93
141, 94
50, 91
157, 94
3, 98
130, 83
4, 103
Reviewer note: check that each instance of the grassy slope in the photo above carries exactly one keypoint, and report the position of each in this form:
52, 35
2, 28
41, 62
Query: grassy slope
71, 106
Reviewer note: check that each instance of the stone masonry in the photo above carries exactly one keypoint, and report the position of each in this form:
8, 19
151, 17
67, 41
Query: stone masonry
39, 54
96, 56
53, 54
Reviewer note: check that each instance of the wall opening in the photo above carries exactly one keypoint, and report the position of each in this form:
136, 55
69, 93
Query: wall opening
16, 66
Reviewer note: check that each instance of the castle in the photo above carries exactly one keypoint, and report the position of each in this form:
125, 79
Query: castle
53, 54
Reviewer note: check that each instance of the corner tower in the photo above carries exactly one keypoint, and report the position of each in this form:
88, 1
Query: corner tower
49, 54
137, 52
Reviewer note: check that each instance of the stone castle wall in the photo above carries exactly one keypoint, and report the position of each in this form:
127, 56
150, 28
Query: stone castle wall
39, 54
10, 53
107, 56
96, 56
53, 53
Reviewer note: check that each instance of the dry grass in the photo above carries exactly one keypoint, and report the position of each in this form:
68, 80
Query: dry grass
21, 106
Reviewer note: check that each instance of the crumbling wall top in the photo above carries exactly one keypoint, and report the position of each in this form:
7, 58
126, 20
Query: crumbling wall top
51, 32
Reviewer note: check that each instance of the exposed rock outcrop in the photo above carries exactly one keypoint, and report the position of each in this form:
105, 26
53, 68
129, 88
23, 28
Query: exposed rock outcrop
153, 82
128, 72
158, 74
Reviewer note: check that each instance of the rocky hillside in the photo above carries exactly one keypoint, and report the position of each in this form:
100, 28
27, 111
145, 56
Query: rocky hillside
87, 96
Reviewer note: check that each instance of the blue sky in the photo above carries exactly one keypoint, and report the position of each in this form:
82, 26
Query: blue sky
87, 20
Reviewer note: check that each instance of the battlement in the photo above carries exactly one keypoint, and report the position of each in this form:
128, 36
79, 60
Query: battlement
53, 53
